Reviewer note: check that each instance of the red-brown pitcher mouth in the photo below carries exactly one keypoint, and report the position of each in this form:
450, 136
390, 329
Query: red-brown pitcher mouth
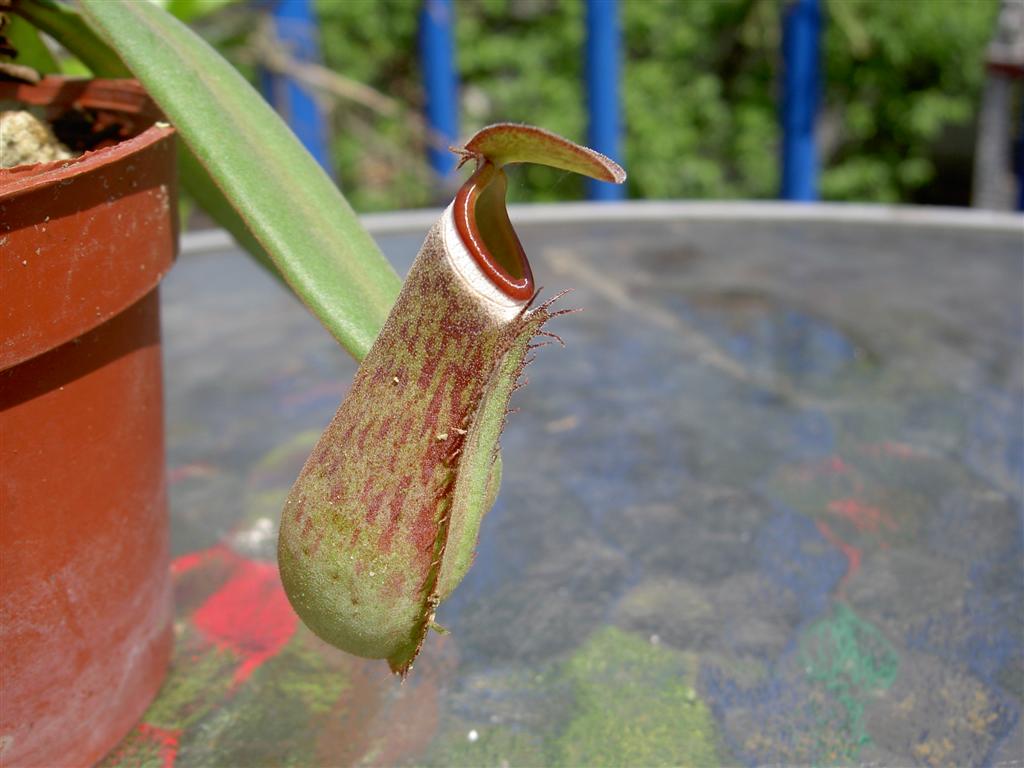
482, 222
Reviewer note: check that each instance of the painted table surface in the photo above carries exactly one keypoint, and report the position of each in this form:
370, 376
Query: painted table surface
764, 508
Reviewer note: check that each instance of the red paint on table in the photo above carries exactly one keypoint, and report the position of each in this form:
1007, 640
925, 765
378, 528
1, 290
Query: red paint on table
853, 554
166, 740
249, 615
834, 468
864, 517
837, 465
186, 563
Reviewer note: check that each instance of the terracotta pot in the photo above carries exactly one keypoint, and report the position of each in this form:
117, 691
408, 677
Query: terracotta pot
84, 586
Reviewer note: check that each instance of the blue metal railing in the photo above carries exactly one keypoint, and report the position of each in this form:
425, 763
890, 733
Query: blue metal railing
802, 22
801, 57
602, 67
440, 81
295, 29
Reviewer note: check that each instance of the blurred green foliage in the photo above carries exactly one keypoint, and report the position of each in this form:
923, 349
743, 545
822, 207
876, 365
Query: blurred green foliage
380, 156
898, 74
699, 92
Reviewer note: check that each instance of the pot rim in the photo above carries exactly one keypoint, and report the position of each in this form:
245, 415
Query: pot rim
86, 238
26, 178
121, 96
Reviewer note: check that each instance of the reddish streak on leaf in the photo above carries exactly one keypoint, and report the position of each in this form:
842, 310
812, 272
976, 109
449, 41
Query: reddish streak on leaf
403, 427
307, 526
393, 589
853, 555
166, 739
386, 427
863, 517
249, 615
300, 509
428, 373
337, 491
363, 434
314, 544
426, 527
374, 505
397, 501
435, 448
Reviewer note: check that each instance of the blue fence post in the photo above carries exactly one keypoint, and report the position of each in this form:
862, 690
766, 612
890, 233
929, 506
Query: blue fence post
295, 29
801, 49
440, 81
602, 65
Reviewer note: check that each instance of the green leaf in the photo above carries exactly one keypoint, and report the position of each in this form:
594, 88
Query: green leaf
72, 66
190, 10
200, 186
67, 27
32, 52
285, 199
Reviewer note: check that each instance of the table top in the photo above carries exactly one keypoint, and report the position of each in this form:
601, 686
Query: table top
764, 508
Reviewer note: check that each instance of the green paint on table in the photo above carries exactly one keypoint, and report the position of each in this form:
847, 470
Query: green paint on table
852, 661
